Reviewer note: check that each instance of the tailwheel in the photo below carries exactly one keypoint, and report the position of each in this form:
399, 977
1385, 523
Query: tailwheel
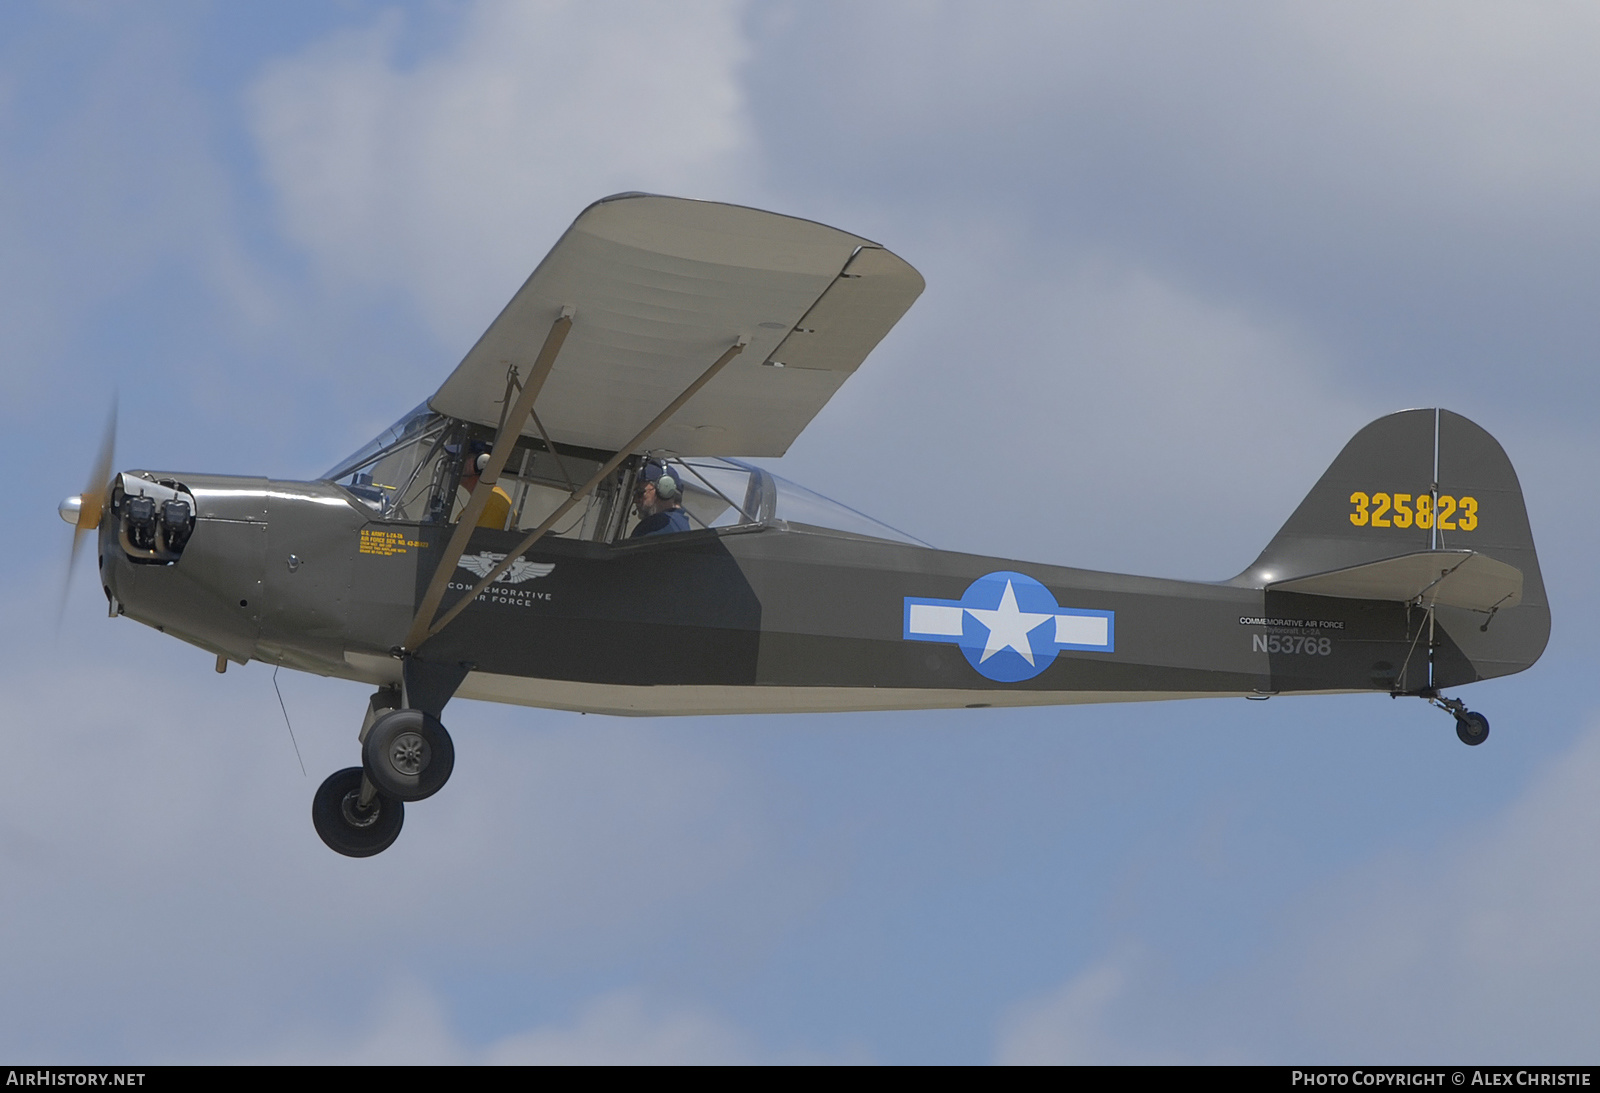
408, 755
1472, 728
346, 826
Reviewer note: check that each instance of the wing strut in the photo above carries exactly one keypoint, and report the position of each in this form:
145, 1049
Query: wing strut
565, 507
510, 428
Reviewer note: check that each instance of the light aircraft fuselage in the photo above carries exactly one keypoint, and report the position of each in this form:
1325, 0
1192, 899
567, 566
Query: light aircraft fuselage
773, 615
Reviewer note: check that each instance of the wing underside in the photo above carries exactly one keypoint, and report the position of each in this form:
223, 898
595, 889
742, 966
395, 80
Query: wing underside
657, 288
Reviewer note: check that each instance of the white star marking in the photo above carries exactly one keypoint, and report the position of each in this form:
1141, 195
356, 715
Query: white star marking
1008, 627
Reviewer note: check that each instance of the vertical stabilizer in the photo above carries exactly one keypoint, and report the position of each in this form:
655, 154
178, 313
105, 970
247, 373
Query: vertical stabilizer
1416, 481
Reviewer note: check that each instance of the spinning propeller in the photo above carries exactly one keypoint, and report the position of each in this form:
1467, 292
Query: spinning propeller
85, 510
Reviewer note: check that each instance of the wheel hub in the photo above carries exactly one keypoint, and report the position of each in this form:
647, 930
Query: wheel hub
354, 814
409, 754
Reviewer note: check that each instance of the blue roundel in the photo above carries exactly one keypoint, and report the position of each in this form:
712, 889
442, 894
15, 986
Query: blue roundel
1008, 626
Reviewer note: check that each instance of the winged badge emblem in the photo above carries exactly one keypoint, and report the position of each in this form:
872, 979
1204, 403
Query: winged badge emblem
483, 562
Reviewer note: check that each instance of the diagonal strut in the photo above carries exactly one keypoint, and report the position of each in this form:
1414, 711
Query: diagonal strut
579, 494
510, 427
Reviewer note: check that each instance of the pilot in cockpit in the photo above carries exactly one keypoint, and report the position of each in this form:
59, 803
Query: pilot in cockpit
658, 496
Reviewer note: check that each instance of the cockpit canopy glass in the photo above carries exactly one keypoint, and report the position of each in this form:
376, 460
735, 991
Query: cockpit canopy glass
798, 505
412, 472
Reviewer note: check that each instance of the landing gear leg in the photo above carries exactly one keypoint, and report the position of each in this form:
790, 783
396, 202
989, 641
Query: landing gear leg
1472, 728
406, 755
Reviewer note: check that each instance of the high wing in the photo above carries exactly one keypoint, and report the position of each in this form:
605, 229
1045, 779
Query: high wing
657, 288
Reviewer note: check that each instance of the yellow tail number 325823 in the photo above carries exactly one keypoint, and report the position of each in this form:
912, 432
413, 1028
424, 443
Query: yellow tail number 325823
1403, 510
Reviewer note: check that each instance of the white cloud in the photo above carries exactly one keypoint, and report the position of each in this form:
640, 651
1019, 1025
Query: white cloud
109, 185
1486, 950
621, 1028
1411, 184
1085, 415
450, 177
1439, 106
1067, 1028
1490, 951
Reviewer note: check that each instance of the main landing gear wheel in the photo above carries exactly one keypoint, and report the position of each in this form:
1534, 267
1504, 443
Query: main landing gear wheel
1472, 728
408, 755
348, 828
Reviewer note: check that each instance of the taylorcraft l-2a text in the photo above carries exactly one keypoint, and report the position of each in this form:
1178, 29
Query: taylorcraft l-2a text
566, 523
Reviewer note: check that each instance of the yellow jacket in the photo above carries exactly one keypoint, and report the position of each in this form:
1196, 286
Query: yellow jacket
497, 511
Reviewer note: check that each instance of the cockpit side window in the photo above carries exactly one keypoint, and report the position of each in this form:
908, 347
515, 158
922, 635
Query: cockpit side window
716, 493
539, 482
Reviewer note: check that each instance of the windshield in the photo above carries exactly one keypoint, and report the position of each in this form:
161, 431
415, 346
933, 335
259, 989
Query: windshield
407, 428
401, 473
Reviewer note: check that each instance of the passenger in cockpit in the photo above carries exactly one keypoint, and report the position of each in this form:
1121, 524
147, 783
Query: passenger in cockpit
659, 498
498, 510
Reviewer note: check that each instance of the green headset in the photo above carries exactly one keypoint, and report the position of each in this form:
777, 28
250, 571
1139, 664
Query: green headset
666, 486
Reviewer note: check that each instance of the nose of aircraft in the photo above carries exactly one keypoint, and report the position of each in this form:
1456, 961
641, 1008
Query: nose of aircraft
70, 508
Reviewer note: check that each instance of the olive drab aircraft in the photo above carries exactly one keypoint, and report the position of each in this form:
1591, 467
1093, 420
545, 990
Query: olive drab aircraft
487, 545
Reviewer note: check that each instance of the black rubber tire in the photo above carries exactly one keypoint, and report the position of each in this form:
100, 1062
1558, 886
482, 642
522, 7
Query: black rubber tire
408, 755
1472, 728
343, 827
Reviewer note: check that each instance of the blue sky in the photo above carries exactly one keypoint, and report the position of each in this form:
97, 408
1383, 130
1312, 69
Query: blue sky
1175, 254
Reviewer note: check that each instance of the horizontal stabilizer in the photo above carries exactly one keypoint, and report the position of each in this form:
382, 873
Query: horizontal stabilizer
1446, 578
